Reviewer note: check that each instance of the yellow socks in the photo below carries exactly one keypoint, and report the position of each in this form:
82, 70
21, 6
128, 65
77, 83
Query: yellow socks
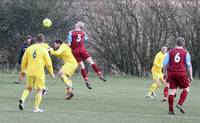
25, 94
67, 81
38, 98
152, 88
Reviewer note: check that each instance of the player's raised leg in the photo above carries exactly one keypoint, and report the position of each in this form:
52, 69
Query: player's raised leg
182, 98
165, 91
68, 83
96, 69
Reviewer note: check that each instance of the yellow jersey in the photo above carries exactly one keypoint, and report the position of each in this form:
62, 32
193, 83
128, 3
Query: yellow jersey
45, 45
34, 60
64, 52
158, 62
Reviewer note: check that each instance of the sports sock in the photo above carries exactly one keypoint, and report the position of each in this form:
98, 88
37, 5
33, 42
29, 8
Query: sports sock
25, 94
84, 74
182, 97
166, 91
171, 102
152, 88
96, 69
67, 81
38, 98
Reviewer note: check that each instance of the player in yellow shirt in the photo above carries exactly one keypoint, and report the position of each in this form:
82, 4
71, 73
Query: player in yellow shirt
157, 72
33, 62
63, 51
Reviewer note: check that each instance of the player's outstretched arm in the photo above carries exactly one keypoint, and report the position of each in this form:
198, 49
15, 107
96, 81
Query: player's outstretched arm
23, 65
57, 52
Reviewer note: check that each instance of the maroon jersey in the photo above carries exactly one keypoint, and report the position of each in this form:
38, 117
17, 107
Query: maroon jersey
177, 62
77, 39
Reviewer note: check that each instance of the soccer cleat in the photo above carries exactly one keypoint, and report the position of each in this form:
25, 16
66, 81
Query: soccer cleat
69, 94
153, 94
21, 104
18, 82
88, 84
171, 113
38, 110
102, 78
150, 96
44, 91
180, 108
164, 99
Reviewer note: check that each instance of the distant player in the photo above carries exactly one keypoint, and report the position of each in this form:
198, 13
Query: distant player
76, 40
176, 65
22, 50
157, 72
63, 51
34, 60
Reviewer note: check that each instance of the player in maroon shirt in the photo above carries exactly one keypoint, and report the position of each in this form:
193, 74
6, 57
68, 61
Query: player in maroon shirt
76, 40
176, 64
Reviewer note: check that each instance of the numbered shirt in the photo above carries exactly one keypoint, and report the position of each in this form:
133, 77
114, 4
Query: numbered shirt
76, 39
178, 59
34, 60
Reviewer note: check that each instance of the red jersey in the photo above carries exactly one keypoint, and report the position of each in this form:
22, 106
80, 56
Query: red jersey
177, 62
77, 39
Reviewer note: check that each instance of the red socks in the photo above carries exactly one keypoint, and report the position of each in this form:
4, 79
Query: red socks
171, 102
84, 74
182, 97
166, 91
96, 69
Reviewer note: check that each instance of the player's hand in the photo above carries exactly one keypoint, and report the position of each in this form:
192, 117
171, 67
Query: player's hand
50, 49
22, 76
191, 78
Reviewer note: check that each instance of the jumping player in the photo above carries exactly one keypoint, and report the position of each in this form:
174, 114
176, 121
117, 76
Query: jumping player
176, 64
76, 40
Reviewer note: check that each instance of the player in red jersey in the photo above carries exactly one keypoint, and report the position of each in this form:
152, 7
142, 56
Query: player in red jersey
76, 40
176, 64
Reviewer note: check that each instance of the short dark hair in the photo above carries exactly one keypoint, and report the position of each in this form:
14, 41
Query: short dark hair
28, 37
33, 41
180, 41
58, 41
40, 38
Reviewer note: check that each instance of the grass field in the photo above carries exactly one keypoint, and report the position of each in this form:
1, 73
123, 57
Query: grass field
120, 100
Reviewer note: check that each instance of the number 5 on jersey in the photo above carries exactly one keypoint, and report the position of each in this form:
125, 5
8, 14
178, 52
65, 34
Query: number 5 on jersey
78, 38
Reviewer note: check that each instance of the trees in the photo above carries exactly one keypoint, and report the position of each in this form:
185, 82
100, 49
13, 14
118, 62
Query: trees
123, 33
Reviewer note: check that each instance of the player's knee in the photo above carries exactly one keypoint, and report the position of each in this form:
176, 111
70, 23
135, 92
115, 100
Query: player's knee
60, 73
90, 60
172, 91
187, 89
29, 88
82, 66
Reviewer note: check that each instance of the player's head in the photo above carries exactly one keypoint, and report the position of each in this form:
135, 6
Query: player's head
180, 42
57, 43
40, 38
79, 25
28, 39
164, 49
33, 41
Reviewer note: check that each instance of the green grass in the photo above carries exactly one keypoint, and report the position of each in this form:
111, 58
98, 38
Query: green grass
120, 100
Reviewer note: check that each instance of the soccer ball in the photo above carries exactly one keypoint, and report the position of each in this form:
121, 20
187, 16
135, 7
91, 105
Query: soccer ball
47, 23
